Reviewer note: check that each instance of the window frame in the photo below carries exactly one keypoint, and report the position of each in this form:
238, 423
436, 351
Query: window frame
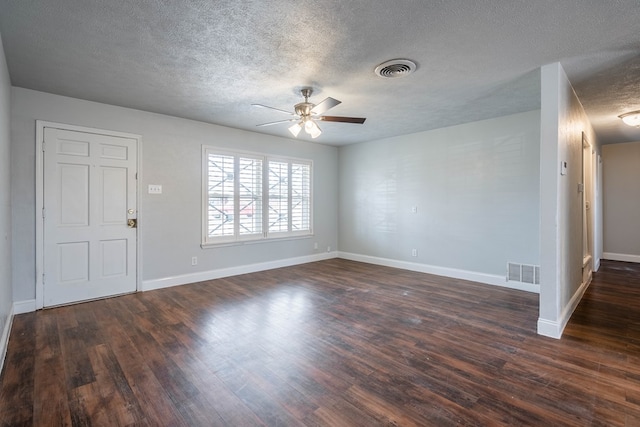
265, 234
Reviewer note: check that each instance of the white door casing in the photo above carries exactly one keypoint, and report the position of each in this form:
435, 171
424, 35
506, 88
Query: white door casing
89, 193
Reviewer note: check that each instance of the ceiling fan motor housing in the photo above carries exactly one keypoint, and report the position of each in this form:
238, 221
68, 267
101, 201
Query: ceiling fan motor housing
303, 109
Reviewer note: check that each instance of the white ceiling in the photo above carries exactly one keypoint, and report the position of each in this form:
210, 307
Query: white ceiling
209, 60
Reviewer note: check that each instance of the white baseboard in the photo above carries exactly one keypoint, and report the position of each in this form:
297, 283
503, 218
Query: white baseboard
554, 329
183, 279
26, 306
489, 279
549, 328
4, 339
621, 257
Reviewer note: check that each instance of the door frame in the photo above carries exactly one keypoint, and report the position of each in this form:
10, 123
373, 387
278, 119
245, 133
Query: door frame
40, 126
587, 214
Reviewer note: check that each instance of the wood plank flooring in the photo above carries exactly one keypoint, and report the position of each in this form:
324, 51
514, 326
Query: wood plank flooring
332, 343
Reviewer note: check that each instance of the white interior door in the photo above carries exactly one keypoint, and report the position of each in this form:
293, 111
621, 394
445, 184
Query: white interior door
89, 198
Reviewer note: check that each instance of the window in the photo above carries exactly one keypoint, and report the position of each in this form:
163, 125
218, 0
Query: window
250, 196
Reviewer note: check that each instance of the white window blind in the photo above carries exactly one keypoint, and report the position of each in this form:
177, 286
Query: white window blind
278, 197
220, 195
244, 200
250, 196
300, 178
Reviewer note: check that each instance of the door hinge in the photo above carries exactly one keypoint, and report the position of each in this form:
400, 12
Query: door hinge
43, 213
43, 278
43, 146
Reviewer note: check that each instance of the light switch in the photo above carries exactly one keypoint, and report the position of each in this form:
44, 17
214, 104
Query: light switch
155, 189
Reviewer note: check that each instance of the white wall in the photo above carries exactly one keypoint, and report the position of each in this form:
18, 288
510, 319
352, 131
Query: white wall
171, 156
476, 189
563, 122
486, 193
621, 182
6, 298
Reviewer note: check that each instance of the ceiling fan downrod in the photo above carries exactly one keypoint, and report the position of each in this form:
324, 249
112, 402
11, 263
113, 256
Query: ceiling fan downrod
306, 93
303, 109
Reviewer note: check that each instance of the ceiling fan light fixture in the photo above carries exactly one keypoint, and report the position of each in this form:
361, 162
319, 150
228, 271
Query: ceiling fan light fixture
308, 125
295, 129
631, 119
312, 129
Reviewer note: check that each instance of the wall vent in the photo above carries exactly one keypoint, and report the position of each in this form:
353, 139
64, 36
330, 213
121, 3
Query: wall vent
523, 273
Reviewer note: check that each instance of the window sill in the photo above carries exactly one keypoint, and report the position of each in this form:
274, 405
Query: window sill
255, 242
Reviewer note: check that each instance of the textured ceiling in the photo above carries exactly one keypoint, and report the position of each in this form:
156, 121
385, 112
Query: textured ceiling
209, 60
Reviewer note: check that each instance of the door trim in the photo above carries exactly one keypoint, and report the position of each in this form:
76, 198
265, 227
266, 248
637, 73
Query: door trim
39, 267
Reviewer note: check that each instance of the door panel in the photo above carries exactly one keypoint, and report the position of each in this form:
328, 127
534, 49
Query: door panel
73, 262
73, 186
113, 254
113, 202
89, 194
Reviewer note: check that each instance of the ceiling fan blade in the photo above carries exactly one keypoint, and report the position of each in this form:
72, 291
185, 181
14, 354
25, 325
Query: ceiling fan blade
277, 123
357, 120
272, 108
325, 105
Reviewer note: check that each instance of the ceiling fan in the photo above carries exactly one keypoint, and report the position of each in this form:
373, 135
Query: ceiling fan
306, 114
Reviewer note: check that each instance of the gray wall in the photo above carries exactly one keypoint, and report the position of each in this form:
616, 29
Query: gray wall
171, 156
563, 122
486, 193
6, 298
475, 186
621, 182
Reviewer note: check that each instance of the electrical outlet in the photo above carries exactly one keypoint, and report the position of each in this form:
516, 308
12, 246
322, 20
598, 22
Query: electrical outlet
155, 189
194, 260
414, 252
328, 248
315, 246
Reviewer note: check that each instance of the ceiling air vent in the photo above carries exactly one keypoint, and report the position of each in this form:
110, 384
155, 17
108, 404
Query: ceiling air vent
395, 68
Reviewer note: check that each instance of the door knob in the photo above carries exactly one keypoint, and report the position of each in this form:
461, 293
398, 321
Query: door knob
132, 223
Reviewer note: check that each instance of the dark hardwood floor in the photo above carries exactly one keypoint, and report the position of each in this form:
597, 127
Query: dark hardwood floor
332, 343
